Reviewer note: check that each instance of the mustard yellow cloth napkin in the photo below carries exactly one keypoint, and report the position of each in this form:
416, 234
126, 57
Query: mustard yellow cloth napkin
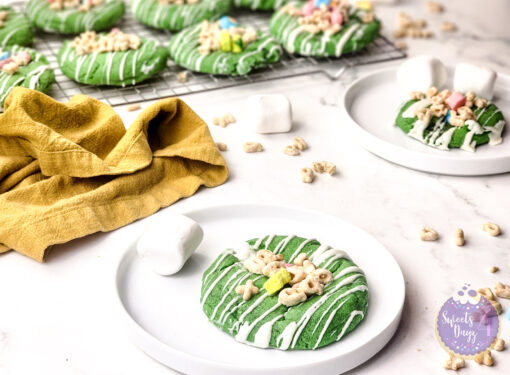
71, 169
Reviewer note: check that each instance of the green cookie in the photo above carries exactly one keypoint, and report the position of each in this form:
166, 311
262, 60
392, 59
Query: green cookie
37, 75
16, 29
72, 21
113, 68
439, 134
353, 36
260, 4
177, 17
258, 54
262, 321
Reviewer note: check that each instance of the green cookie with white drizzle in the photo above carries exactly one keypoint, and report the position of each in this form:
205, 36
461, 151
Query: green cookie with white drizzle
15, 28
223, 47
113, 59
21, 66
74, 16
323, 28
285, 292
260, 4
447, 120
175, 15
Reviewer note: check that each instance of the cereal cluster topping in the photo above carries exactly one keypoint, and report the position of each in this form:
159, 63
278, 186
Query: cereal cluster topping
457, 107
82, 5
302, 277
11, 64
177, 2
114, 41
326, 16
225, 35
3, 17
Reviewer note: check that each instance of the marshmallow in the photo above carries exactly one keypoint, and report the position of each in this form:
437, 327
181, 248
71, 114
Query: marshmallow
469, 77
168, 242
268, 113
456, 100
421, 72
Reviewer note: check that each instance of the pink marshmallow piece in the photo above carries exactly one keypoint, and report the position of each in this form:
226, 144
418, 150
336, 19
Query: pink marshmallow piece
115, 30
308, 9
5, 62
288, 265
456, 100
24, 55
336, 17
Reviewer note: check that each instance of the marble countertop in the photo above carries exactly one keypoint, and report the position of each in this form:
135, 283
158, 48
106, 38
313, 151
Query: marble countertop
60, 317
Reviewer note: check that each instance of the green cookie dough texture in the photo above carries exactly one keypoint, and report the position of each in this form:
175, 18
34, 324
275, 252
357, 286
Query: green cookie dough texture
486, 129
113, 68
72, 21
258, 54
16, 29
353, 36
37, 75
262, 321
260, 4
177, 17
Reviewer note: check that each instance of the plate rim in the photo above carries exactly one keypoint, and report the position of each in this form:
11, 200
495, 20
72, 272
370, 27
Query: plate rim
135, 329
381, 147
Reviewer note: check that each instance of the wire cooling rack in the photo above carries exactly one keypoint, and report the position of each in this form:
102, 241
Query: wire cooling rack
166, 83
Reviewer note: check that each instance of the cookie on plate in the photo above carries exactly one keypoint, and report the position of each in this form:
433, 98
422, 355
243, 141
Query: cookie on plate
286, 292
113, 59
74, 16
323, 28
21, 66
260, 4
175, 15
223, 47
447, 120
15, 28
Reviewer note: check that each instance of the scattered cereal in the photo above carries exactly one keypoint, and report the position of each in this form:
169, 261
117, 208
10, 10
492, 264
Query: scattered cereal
433, 7
225, 120
502, 290
291, 150
491, 228
494, 269
454, 363
487, 293
250, 147
182, 77
324, 166
428, 234
448, 26
133, 107
307, 175
411, 28
401, 45
499, 345
221, 146
299, 143
484, 358
459, 237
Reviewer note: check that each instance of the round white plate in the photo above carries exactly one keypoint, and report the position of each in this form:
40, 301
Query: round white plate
165, 319
371, 104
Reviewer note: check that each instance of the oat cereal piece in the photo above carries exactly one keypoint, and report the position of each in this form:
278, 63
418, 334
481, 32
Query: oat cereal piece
229, 118
307, 175
487, 293
291, 296
459, 237
250, 147
297, 273
133, 107
308, 266
291, 151
454, 363
416, 95
484, 358
497, 306
401, 45
431, 91
271, 268
493, 229
325, 276
299, 143
494, 269
502, 290
480, 103
499, 345
221, 146
311, 285
433, 7
428, 234
216, 120
247, 290
182, 77
324, 166
254, 265
448, 26
300, 259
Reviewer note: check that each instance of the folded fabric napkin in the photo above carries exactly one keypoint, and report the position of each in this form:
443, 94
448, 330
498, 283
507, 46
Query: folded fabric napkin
71, 169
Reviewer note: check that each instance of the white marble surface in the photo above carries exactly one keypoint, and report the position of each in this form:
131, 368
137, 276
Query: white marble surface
61, 317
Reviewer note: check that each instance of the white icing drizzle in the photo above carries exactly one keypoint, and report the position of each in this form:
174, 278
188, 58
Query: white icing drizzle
216, 265
281, 246
444, 140
495, 133
349, 321
418, 129
300, 249
264, 333
474, 128
246, 328
213, 284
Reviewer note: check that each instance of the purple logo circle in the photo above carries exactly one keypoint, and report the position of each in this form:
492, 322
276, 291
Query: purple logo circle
467, 323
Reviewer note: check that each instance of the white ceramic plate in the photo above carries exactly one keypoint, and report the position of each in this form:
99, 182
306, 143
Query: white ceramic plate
371, 104
165, 319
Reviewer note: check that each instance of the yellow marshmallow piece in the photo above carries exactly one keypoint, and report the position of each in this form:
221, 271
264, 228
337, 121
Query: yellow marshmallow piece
366, 5
277, 281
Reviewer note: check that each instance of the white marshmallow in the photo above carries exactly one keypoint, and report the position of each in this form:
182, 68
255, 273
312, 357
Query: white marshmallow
168, 242
469, 77
268, 113
421, 72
